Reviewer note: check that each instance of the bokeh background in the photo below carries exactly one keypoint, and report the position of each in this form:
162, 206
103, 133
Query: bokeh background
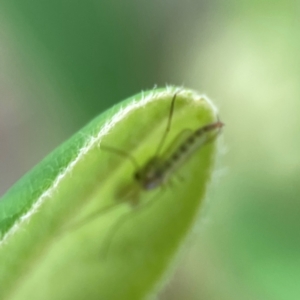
64, 62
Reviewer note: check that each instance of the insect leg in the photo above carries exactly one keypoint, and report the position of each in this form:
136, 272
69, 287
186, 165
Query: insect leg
163, 139
90, 217
121, 153
113, 230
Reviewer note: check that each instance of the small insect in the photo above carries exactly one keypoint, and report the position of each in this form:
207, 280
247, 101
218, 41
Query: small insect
158, 169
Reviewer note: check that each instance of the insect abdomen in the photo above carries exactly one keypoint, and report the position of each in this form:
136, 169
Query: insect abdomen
190, 145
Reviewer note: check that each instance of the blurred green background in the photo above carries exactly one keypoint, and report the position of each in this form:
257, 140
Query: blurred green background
63, 62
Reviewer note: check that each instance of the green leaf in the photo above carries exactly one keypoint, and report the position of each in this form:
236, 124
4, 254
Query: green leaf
58, 239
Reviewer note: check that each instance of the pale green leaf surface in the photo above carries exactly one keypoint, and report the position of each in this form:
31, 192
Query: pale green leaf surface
44, 255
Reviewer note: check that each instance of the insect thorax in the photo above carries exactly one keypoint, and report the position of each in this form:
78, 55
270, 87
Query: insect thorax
152, 175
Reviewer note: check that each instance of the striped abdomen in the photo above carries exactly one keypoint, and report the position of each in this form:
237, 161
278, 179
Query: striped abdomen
191, 144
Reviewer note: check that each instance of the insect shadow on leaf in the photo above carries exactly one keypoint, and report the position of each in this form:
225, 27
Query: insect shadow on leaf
157, 170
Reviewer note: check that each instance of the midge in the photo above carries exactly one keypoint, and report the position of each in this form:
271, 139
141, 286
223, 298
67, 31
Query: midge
158, 169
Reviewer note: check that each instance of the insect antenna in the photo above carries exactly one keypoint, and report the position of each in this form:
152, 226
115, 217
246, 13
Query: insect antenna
163, 139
